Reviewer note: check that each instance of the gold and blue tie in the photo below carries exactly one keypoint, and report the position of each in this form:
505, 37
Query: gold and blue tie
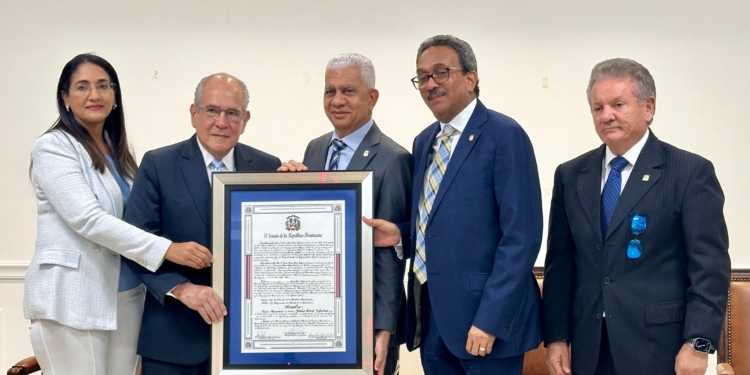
429, 192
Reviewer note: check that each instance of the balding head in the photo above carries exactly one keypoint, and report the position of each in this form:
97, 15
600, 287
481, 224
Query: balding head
225, 78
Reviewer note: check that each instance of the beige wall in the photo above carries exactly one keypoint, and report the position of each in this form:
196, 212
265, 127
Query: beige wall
696, 50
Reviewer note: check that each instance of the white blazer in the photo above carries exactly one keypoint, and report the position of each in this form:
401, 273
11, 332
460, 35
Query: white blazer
74, 275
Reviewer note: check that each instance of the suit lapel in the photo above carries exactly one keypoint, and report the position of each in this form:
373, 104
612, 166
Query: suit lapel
648, 163
366, 150
318, 154
463, 148
243, 159
589, 189
195, 173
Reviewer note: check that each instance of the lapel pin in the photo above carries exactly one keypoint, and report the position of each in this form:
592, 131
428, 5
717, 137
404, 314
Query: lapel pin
367, 152
471, 137
645, 177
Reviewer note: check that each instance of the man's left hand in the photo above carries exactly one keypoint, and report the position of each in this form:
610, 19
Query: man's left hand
690, 362
382, 338
479, 342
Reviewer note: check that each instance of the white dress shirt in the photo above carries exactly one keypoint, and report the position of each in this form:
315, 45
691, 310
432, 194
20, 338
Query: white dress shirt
631, 156
228, 161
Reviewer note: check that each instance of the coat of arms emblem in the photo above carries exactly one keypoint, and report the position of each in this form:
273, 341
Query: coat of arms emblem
293, 223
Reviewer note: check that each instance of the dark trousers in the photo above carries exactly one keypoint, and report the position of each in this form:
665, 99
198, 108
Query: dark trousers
391, 362
154, 367
606, 364
437, 359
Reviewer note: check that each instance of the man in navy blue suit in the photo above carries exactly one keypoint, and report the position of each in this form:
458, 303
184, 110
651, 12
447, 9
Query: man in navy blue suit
476, 225
637, 266
171, 197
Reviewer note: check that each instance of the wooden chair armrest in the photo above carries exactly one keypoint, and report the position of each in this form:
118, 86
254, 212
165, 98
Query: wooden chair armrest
724, 369
26, 366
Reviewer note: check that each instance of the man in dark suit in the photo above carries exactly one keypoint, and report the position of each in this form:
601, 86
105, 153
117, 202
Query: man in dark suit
171, 197
348, 100
473, 305
637, 265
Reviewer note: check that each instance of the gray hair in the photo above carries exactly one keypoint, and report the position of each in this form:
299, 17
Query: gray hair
465, 53
645, 86
366, 69
199, 89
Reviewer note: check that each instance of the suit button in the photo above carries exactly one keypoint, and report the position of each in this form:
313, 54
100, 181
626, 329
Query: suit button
97, 248
599, 246
598, 315
606, 280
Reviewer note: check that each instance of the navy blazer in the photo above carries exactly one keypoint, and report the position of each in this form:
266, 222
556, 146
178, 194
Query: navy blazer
482, 237
171, 197
676, 289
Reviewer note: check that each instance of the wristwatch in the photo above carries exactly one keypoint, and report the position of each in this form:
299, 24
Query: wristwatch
701, 345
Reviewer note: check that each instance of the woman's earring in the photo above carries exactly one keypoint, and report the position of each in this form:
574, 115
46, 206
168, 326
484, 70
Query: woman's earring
114, 107
67, 108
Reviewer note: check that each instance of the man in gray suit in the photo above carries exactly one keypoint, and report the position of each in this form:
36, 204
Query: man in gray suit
357, 144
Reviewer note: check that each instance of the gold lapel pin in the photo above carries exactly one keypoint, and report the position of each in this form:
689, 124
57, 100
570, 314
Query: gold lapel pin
471, 137
646, 177
367, 152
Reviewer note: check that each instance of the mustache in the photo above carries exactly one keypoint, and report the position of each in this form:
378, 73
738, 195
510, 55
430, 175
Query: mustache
435, 91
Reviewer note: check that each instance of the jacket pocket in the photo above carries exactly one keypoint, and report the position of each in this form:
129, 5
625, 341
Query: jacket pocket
477, 281
65, 258
665, 312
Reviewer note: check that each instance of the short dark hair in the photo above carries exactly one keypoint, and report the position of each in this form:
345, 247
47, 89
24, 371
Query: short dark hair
465, 53
114, 124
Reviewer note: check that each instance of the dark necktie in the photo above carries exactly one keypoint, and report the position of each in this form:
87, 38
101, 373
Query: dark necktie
611, 192
337, 145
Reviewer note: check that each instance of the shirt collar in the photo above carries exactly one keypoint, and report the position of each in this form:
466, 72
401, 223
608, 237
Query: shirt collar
462, 118
355, 138
208, 158
631, 155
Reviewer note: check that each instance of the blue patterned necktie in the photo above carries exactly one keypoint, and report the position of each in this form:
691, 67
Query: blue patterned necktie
337, 145
434, 177
611, 191
216, 165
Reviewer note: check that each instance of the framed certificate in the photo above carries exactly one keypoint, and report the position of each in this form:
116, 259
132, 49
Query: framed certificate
293, 264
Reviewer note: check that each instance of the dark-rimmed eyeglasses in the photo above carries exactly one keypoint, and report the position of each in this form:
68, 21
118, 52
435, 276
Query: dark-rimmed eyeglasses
637, 226
213, 112
439, 76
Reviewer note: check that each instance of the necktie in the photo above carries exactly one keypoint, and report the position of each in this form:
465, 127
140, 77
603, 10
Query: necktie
434, 177
611, 191
216, 165
337, 145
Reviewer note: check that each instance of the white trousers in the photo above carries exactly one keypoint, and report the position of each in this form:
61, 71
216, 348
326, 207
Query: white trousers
62, 350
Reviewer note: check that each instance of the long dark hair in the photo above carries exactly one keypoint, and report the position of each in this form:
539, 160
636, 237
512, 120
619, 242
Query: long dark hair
114, 124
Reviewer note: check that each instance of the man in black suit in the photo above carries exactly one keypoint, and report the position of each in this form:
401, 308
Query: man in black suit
171, 197
349, 97
637, 265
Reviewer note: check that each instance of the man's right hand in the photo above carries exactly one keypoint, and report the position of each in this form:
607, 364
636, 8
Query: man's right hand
386, 233
292, 166
202, 299
189, 254
558, 358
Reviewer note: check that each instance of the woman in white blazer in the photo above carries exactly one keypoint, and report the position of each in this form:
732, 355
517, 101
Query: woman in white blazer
85, 306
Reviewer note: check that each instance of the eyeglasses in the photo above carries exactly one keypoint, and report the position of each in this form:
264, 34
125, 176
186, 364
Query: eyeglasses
84, 88
637, 226
439, 76
212, 113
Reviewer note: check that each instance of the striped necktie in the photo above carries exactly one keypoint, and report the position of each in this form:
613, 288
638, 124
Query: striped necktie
429, 192
337, 145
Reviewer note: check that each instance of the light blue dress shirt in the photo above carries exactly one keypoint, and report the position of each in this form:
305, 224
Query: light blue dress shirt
128, 279
352, 142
